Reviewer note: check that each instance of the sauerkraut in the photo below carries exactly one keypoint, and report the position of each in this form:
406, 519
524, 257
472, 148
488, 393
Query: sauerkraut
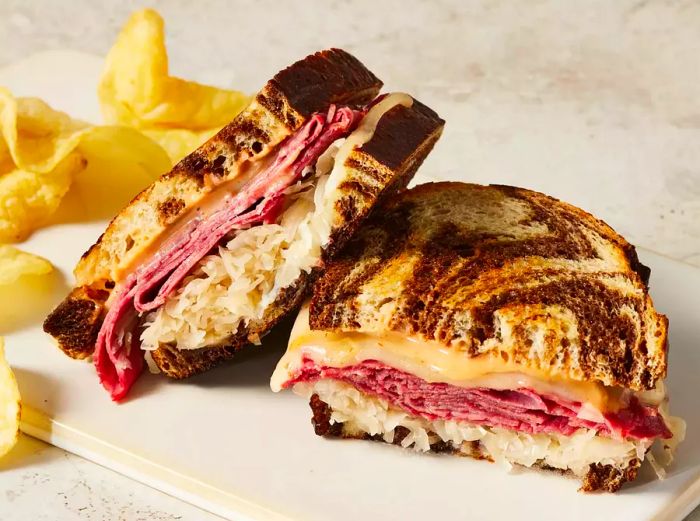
361, 413
234, 286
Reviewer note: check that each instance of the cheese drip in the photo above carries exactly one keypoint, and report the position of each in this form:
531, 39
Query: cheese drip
433, 362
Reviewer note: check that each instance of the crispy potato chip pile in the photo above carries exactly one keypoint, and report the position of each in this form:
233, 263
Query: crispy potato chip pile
37, 163
137, 90
9, 405
160, 118
43, 151
55, 169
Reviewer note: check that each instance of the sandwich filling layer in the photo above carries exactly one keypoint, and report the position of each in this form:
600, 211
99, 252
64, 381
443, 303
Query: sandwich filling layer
432, 382
363, 414
519, 409
239, 255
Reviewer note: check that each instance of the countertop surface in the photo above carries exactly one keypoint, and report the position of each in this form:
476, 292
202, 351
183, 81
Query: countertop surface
596, 102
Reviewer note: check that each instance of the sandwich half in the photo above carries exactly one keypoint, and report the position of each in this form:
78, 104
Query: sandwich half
491, 322
210, 256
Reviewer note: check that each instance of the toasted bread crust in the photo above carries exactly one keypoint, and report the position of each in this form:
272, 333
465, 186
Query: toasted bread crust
500, 271
383, 166
311, 85
76, 321
606, 478
372, 172
609, 478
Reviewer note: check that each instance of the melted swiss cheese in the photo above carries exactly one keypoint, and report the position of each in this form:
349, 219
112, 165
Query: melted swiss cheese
429, 360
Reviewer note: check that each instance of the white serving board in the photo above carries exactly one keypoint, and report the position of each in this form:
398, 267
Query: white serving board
225, 442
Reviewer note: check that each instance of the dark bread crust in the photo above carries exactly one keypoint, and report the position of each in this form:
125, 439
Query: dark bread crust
468, 264
375, 171
76, 321
322, 79
282, 107
383, 166
599, 477
609, 478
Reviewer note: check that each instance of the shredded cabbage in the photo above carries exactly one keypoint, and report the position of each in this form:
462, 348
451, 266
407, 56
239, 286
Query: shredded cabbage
361, 413
236, 285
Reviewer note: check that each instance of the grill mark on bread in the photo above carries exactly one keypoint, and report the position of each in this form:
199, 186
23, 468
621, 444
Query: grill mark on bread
629, 250
462, 275
332, 76
194, 166
401, 141
170, 209
244, 138
421, 127
395, 140
337, 284
456, 258
364, 189
597, 310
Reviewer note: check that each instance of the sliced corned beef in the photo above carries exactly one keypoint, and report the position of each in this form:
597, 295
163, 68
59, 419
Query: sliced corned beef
521, 409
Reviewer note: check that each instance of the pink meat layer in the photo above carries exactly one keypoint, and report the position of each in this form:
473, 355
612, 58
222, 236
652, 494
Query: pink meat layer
118, 358
521, 410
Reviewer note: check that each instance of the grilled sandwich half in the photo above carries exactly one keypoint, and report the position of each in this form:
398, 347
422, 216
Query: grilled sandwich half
210, 256
491, 322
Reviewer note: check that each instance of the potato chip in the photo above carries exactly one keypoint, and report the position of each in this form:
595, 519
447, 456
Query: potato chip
137, 90
43, 152
15, 263
37, 162
27, 288
10, 405
28, 199
34, 136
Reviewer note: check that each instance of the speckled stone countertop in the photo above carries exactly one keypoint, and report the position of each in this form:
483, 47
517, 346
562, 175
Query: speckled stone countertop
595, 102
